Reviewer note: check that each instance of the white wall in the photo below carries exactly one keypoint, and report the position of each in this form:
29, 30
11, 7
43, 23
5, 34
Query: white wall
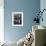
1, 20
43, 6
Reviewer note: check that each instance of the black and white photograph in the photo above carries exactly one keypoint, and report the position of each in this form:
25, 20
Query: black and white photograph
17, 18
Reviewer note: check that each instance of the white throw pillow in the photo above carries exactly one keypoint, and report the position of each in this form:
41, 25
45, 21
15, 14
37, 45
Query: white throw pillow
21, 42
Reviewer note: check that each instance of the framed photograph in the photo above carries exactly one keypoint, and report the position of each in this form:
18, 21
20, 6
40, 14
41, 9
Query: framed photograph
17, 18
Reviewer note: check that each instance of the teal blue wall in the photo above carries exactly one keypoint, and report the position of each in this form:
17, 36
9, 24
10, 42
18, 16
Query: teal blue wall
28, 7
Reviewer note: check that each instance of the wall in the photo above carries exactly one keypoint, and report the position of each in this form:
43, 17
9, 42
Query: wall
1, 20
43, 6
28, 7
